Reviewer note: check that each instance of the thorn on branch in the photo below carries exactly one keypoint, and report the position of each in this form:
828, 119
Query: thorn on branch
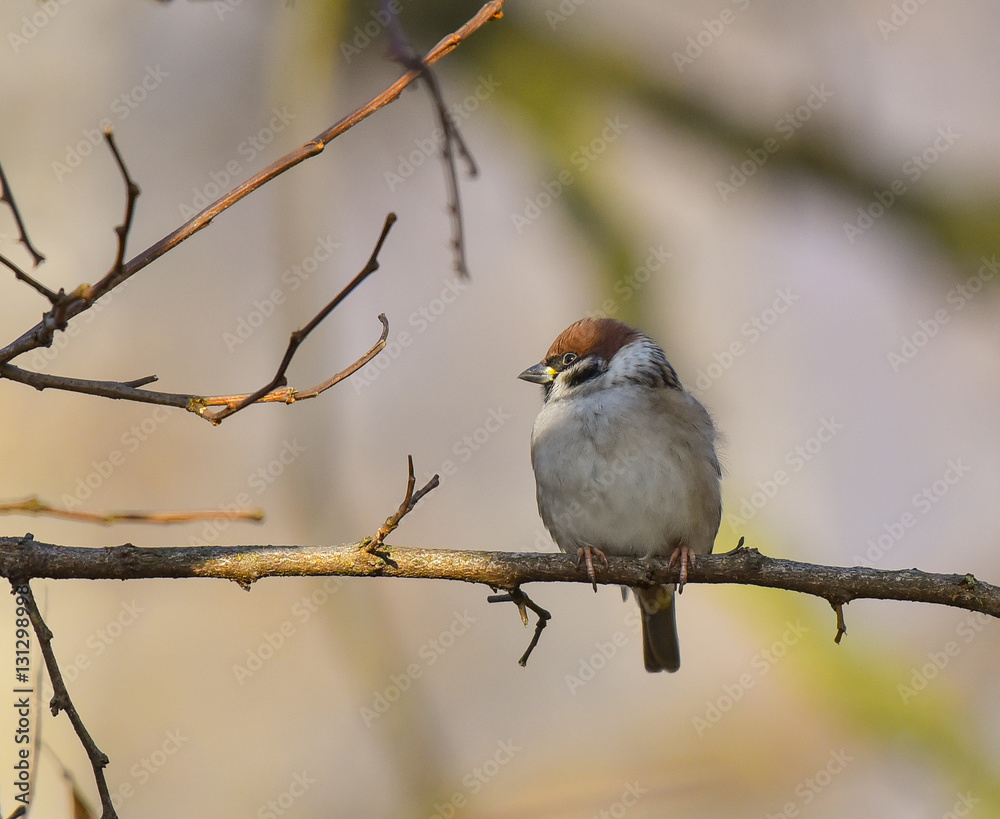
523, 602
234, 403
409, 501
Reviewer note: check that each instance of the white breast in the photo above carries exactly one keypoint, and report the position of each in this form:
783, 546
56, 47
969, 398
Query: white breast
629, 470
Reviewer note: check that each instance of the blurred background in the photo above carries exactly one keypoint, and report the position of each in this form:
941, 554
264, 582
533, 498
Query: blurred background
798, 200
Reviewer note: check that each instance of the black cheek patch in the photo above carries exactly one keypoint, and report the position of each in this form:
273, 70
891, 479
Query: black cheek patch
584, 369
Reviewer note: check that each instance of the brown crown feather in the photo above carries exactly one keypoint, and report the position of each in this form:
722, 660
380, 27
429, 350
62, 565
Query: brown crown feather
604, 337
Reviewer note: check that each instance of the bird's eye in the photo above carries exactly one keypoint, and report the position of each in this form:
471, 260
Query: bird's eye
568, 358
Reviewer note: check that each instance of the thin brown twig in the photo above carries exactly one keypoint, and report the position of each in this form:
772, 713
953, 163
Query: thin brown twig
90, 293
41, 333
192, 403
523, 602
33, 506
131, 195
60, 698
24, 277
409, 501
7, 195
299, 336
453, 139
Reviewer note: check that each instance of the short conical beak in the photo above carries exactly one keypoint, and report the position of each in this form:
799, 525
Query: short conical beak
541, 373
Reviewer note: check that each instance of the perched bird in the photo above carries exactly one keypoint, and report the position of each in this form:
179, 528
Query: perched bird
625, 463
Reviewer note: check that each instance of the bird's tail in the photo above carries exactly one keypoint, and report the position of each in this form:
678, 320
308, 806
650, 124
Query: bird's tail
660, 649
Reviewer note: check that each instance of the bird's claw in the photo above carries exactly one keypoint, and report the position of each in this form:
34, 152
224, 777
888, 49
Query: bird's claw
686, 558
586, 554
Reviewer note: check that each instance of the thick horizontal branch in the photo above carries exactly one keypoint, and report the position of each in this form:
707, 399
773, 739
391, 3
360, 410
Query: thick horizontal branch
24, 558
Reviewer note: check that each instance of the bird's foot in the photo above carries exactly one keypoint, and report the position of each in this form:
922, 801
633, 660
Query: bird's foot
586, 554
686, 558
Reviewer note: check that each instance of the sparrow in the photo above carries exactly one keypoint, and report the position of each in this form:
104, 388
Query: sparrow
625, 463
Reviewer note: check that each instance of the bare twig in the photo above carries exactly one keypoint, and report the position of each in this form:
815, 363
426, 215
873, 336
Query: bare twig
409, 501
141, 382
193, 403
41, 333
90, 293
841, 625
61, 700
299, 336
131, 194
453, 140
24, 277
34, 506
6, 195
523, 602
